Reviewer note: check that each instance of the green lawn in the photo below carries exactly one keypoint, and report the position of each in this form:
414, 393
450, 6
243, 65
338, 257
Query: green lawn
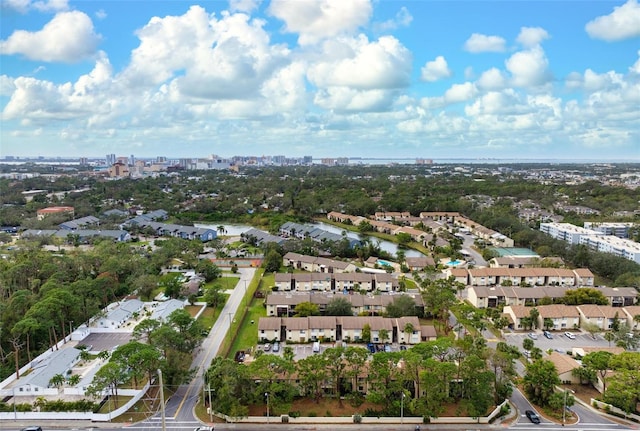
247, 332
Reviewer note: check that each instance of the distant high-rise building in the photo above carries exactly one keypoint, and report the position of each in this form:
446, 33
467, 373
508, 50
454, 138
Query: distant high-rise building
161, 159
132, 160
84, 161
424, 162
111, 159
308, 160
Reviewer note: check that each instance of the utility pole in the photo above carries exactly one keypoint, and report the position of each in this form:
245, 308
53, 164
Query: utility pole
210, 405
164, 427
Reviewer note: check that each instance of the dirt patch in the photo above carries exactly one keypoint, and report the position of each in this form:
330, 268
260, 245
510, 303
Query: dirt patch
584, 392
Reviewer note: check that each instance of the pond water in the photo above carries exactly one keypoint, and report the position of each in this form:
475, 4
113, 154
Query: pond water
388, 246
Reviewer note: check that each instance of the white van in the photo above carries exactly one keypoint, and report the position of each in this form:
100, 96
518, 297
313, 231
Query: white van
316, 347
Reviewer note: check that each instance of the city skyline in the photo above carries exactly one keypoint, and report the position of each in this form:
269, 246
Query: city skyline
498, 80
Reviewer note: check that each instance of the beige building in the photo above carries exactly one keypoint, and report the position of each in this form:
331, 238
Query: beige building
404, 330
283, 304
565, 365
601, 315
522, 276
563, 316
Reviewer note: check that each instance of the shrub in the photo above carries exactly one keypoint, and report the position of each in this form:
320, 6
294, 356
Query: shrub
357, 418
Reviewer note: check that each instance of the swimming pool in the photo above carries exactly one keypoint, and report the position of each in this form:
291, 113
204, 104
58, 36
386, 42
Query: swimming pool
383, 262
455, 262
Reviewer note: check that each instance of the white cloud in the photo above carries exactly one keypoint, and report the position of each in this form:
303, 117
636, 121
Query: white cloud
355, 73
350, 99
7, 86
101, 14
434, 70
483, 43
69, 37
314, 20
636, 66
460, 93
532, 36
529, 68
381, 64
24, 6
229, 58
622, 23
402, 19
246, 6
492, 79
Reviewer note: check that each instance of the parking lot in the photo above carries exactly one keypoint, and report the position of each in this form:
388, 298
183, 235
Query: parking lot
559, 342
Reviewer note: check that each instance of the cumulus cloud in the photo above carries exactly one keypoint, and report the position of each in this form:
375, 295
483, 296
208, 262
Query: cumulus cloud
435, 70
315, 20
355, 73
529, 68
69, 37
622, 23
483, 43
532, 36
226, 58
636, 66
380, 64
24, 6
492, 79
402, 19
460, 92
247, 6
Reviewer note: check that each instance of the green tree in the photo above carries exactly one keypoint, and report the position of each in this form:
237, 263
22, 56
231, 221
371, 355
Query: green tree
213, 296
527, 344
366, 333
339, 307
305, 309
402, 305
599, 363
272, 261
540, 381
108, 378
208, 270
312, 372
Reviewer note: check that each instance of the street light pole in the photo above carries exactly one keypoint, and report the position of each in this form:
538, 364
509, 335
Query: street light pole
266, 394
402, 408
564, 406
210, 405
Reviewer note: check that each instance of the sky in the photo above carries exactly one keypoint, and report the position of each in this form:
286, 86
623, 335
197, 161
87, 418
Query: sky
327, 78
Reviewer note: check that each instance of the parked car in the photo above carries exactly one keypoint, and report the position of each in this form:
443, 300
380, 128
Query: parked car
276, 347
570, 335
267, 347
533, 416
532, 335
371, 347
316, 347
32, 428
387, 348
547, 334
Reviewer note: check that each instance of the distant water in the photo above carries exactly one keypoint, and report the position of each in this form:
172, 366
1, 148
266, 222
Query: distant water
237, 229
478, 161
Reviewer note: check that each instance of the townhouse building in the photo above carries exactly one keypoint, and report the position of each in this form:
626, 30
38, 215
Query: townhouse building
405, 330
280, 304
336, 282
496, 296
522, 276
316, 264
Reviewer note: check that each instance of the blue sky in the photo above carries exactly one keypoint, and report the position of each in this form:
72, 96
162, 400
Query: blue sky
327, 78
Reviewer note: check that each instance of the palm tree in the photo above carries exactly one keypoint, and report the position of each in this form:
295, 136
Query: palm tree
57, 381
609, 336
221, 230
408, 329
73, 379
